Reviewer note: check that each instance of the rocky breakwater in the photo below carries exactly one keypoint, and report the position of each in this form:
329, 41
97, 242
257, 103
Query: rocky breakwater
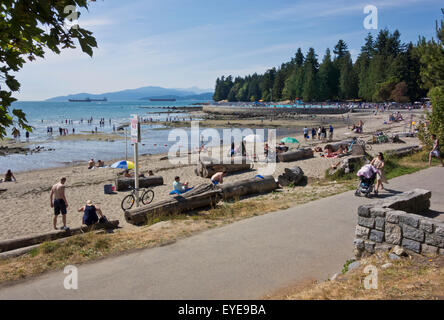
6, 150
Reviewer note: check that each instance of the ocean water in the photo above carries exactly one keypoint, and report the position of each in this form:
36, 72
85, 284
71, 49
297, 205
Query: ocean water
155, 137
42, 114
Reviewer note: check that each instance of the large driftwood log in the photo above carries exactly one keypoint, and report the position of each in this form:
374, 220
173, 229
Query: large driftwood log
12, 244
401, 152
207, 167
249, 186
201, 197
345, 144
295, 155
125, 184
175, 205
291, 176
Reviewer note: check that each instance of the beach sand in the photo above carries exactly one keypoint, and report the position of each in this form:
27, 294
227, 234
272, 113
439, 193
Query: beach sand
25, 206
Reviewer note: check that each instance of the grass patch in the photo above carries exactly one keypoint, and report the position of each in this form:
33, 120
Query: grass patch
394, 167
412, 278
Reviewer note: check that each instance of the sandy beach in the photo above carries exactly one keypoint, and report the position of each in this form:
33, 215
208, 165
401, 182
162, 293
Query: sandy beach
25, 206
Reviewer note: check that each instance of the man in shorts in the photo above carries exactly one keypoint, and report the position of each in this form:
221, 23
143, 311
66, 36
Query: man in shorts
435, 151
58, 202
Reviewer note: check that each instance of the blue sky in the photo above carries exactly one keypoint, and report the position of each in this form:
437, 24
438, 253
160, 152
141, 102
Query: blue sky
186, 43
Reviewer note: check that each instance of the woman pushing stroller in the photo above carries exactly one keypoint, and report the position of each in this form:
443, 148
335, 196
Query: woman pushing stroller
379, 164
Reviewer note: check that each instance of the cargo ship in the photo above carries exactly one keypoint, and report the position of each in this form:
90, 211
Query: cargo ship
88, 100
160, 99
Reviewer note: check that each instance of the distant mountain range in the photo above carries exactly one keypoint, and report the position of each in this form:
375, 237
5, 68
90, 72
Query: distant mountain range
144, 93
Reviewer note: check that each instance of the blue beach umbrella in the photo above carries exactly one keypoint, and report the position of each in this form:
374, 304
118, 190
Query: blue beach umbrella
123, 165
289, 140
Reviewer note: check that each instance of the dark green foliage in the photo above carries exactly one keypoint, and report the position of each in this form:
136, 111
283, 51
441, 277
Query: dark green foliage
385, 70
28, 28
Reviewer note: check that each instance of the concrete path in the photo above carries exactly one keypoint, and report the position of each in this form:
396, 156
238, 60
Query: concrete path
244, 260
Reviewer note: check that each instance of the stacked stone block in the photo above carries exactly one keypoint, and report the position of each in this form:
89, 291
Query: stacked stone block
398, 221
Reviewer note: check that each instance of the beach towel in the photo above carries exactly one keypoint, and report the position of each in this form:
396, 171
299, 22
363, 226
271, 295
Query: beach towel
179, 193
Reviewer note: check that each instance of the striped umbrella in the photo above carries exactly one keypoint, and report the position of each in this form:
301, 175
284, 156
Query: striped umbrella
123, 165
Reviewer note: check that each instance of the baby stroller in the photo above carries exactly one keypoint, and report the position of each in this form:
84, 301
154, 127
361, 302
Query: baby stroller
367, 175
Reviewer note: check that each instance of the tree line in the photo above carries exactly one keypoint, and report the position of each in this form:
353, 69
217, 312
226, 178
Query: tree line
385, 70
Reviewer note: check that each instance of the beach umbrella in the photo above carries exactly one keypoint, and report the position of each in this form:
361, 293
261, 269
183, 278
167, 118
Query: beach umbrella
253, 138
123, 165
289, 140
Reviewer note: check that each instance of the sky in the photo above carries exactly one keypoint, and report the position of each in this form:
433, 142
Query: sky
187, 43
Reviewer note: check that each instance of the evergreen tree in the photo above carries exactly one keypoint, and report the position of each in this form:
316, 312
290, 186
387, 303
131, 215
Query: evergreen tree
310, 92
347, 81
327, 78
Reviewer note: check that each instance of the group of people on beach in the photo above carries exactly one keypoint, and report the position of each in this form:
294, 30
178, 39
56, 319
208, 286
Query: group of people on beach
320, 133
91, 212
92, 164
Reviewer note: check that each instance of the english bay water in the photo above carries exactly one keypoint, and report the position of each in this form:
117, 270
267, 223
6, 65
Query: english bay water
41, 115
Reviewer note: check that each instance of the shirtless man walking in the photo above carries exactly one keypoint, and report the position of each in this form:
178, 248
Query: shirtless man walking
58, 202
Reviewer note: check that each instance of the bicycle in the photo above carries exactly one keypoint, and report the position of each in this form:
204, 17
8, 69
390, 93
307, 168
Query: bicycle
146, 198
362, 143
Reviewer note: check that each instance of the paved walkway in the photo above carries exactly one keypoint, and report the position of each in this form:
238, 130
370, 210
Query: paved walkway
245, 260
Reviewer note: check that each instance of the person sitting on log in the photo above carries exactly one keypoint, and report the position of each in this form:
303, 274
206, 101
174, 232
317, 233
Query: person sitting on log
179, 186
150, 173
90, 212
218, 177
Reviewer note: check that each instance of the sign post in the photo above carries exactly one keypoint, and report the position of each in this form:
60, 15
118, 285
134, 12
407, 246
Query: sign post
135, 138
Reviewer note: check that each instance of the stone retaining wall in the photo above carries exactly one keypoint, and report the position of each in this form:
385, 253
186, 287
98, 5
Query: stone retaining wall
398, 221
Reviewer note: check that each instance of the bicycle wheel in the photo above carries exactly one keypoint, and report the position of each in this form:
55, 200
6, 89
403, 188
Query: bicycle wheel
148, 197
128, 202
368, 147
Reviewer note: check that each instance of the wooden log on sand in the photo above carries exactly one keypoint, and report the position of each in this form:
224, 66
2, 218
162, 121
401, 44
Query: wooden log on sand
7, 245
345, 144
291, 176
401, 152
206, 168
295, 155
249, 186
200, 197
125, 184
175, 205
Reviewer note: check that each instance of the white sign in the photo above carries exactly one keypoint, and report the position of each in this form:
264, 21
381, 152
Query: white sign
135, 130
